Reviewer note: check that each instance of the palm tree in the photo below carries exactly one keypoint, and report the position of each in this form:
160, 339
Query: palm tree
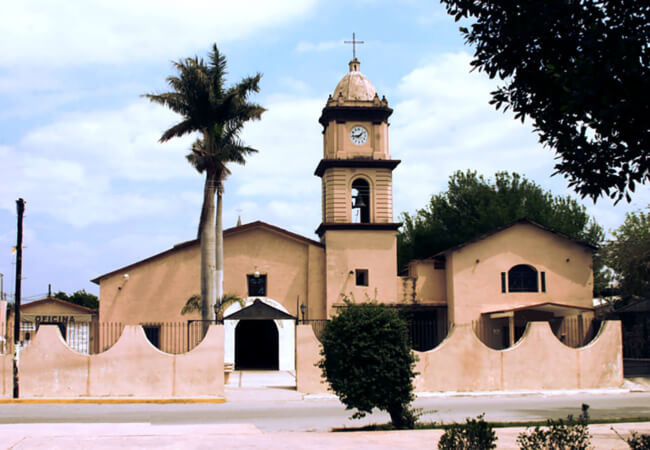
219, 114
194, 304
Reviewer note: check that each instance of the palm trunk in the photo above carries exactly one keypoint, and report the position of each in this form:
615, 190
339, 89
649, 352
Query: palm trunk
208, 243
219, 243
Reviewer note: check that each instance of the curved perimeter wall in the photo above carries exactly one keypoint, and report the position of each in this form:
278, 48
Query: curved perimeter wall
462, 363
131, 367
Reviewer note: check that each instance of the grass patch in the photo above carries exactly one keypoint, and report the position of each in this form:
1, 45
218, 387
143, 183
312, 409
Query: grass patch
526, 424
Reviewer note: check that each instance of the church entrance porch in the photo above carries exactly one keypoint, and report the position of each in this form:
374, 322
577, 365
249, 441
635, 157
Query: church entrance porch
256, 345
260, 336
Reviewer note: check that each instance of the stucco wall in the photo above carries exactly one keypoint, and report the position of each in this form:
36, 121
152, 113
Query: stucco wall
474, 286
308, 376
156, 290
462, 363
347, 250
431, 283
132, 367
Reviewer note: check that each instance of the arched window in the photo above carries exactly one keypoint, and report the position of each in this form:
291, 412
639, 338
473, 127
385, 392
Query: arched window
522, 278
360, 201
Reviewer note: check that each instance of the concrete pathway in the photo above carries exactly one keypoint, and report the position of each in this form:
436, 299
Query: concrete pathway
144, 435
261, 385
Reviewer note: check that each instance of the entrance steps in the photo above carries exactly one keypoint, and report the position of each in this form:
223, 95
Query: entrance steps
262, 385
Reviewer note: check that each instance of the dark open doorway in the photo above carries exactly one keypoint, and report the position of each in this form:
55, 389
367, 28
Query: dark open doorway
256, 345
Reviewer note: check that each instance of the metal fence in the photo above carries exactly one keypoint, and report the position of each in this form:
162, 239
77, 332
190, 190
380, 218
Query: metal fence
423, 334
169, 337
573, 331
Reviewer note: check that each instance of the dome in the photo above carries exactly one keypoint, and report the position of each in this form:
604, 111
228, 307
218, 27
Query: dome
355, 86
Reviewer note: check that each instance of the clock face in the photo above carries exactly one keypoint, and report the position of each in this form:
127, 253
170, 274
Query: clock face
359, 135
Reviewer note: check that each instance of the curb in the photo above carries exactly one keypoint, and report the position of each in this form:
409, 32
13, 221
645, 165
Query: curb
110, 401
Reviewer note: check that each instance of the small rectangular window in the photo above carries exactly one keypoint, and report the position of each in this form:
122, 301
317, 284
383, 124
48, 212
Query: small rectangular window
439, 264
362, 277
503, 281
543, 281
256, 285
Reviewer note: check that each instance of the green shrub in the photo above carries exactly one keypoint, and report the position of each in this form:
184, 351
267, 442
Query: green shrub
558, 434
638, 441
474, 434
368, 363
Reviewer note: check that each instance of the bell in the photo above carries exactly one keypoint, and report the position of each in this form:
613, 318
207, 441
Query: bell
358, 202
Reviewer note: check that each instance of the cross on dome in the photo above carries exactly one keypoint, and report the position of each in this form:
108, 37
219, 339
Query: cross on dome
354, 43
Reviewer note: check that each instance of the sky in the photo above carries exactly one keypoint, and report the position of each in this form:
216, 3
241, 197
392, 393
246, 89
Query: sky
80, 144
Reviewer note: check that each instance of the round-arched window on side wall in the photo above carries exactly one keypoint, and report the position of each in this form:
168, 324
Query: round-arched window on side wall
522, 278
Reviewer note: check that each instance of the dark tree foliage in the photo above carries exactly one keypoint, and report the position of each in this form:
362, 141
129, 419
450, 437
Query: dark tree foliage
81, 298
580, 69
472, 206
368, 362
629, 255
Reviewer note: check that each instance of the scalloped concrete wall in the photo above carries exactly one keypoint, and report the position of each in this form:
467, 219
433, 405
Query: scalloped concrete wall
132, 367
463, 363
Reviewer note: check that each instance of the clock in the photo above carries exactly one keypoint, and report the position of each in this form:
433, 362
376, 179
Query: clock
358, 135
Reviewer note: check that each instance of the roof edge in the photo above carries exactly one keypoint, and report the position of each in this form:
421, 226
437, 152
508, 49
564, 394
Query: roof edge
226, 232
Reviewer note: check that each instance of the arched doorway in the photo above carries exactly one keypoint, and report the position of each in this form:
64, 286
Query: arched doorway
256, 345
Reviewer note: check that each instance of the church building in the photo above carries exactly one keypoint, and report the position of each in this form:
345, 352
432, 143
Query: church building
520, 272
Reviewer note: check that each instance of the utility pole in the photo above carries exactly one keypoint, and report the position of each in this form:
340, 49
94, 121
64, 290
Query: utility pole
20, 206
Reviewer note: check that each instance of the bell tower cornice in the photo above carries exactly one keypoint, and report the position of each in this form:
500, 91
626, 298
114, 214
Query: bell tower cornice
375, 113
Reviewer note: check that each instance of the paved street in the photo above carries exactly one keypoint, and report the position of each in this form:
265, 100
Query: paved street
274, 415
263, 411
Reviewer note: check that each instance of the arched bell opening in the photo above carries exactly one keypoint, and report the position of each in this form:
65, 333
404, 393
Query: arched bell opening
360, 201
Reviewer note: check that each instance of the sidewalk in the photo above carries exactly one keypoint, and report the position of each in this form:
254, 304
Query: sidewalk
145, 435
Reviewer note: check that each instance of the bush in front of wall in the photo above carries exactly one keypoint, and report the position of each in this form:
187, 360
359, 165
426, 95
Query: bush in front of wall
638, 441
559, 434
368, 362
474, 434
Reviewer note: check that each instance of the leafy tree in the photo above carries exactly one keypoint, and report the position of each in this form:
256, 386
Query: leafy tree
629, 255
472, 206
367, 361
218, 113
581, 71
81, 298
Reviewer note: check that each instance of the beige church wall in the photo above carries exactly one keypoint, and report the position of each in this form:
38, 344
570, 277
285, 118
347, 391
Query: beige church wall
338, 188
285, 261
155, 291
347, 250
431, 283
316, 307
132, 367
309, 378
476, 286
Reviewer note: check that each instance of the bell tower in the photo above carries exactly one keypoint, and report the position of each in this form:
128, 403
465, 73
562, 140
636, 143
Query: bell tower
357, 195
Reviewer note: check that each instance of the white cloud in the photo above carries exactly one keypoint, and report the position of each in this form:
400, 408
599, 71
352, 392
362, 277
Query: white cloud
443, 123
323, 46
45, 33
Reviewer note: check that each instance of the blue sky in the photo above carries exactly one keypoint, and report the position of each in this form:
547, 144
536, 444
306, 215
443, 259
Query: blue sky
80, 144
